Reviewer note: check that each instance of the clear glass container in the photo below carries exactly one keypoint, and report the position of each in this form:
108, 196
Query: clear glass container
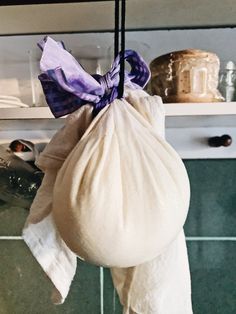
15, 90
140, 47
37, 95
93, 58
227, 80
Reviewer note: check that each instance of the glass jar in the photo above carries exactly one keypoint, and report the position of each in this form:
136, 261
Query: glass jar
227, 80
38, 98
186, 76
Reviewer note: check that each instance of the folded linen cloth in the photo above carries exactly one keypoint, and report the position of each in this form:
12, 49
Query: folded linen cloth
144, 289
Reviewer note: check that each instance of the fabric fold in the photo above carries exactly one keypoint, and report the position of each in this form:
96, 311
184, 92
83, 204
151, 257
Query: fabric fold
40, 233
163, 285
67, 86
58, 262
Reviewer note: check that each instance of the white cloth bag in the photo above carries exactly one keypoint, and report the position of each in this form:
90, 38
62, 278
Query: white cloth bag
122, 189
59, 262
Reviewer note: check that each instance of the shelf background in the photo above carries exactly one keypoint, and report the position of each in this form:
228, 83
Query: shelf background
15, 59
188, 125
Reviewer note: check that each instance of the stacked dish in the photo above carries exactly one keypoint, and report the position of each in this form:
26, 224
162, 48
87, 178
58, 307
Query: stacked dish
10, 102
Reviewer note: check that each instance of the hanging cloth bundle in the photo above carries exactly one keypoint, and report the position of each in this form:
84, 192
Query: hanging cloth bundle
122, 189
113, 190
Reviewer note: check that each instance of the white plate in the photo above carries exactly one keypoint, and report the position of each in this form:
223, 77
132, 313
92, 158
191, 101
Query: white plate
9, 98
11, 104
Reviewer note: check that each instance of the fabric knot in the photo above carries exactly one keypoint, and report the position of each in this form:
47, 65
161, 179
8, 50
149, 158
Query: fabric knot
67, 86
106, 82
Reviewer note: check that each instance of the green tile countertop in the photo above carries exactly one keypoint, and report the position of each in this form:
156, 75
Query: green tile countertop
25, 289
213, 272
12, 219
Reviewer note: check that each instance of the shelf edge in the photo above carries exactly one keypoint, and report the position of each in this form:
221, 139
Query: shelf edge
200, 109
172, 110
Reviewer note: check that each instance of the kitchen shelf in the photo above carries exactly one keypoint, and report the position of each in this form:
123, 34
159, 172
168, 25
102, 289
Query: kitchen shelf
172, 110
25, 113
201, 109
188, 126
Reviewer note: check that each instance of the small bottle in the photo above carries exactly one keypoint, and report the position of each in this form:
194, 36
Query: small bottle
227, 81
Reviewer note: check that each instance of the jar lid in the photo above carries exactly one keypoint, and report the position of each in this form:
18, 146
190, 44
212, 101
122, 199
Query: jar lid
184, 54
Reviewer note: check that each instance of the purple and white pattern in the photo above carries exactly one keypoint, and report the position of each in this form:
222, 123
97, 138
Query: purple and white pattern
67, 86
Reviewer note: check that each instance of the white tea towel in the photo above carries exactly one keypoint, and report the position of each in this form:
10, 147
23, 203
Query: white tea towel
161, 286
40, 232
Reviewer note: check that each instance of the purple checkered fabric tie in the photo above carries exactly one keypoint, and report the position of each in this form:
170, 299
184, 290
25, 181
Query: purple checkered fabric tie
67, 86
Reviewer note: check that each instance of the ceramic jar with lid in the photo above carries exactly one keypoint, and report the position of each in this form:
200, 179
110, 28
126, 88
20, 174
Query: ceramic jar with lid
186, 76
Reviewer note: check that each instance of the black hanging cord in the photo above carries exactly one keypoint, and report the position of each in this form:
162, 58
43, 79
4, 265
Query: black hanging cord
119, 27
122, 59
117, 20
